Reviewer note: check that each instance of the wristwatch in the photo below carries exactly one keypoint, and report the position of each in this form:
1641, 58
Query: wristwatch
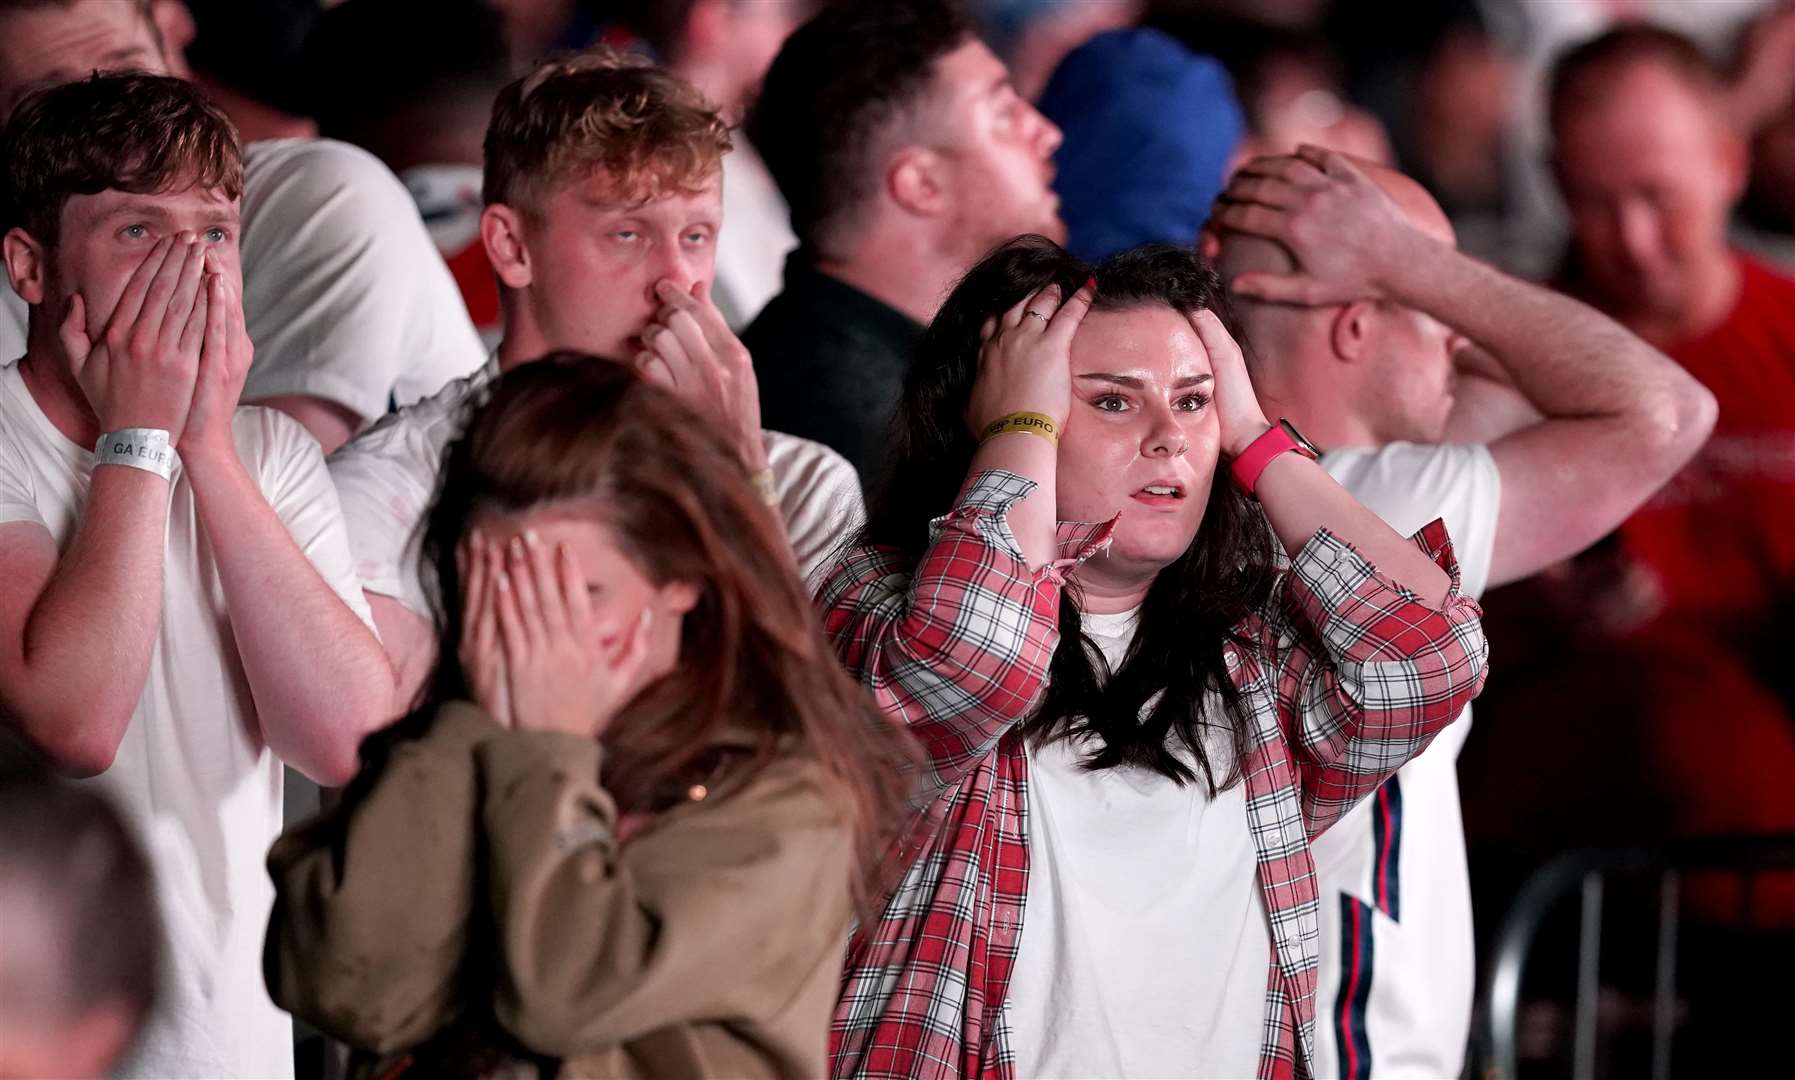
1281, 438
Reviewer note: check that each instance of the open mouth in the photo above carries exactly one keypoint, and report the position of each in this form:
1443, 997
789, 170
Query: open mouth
1160, 494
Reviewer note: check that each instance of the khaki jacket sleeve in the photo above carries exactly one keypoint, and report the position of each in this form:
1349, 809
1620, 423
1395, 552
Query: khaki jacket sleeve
372, 899
718, 913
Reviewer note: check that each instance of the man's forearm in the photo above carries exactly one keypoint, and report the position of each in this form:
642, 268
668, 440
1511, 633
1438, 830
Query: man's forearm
1485, 409
410, 643
1300, 499
86, 645
1565, 358
320, 679
1618, 418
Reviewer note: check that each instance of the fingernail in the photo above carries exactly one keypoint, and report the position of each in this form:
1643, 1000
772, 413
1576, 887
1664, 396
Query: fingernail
530, 537
503, 581
1091, 283
517, 547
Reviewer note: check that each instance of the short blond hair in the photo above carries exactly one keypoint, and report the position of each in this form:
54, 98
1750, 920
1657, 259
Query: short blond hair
650, 132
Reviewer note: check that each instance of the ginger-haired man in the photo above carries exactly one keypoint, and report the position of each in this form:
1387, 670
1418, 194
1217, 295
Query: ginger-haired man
603, 193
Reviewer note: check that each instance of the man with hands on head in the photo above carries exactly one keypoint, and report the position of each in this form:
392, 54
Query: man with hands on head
179, 612
603, 205
1530, 423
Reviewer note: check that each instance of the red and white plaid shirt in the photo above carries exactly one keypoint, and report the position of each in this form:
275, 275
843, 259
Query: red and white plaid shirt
1349, 676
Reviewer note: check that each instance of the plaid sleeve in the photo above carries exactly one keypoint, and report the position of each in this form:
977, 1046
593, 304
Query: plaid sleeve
1367, 673
957, 645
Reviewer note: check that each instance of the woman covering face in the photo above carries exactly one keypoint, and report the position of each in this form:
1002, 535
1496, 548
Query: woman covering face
625, 833
1150, 649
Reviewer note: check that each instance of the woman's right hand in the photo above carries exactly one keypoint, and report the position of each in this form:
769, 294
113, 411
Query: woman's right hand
565, 671
481, 654
1026, 362
532, 651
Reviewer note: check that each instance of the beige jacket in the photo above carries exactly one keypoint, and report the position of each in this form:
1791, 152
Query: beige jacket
472, 893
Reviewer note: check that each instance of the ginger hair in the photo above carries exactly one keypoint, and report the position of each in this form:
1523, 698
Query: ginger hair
601, 112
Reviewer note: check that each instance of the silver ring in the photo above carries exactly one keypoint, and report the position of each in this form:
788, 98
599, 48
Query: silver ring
1035, 314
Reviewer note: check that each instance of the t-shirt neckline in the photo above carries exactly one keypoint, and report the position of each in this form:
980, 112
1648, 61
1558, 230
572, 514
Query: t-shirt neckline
61, 445
1116, 625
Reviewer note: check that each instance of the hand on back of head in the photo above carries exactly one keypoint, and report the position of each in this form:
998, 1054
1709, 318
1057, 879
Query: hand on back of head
1340, 225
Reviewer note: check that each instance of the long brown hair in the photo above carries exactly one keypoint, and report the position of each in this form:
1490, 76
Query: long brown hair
576, 430
1195, 606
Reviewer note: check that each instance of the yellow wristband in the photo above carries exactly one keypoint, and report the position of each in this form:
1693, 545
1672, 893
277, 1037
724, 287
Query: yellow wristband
1032, 422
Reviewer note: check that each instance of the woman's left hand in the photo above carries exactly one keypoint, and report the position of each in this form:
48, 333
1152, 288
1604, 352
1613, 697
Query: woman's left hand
1236, 404
563, 671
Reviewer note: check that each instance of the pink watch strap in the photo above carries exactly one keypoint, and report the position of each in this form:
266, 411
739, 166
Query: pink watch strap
1258, 454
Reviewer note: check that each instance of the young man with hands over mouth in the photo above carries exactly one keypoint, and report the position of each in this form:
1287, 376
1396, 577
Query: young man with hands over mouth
178, 576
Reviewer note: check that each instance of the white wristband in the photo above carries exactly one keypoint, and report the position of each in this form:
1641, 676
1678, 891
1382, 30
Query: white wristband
140, 448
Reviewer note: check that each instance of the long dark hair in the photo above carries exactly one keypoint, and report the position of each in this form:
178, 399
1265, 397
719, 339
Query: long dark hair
1194, 606
578, 431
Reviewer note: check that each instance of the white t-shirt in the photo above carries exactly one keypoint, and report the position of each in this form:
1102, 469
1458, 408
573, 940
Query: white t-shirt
751, 252
344, 295
1144, 939
193, 774
1398, 964
387, 478
448, 199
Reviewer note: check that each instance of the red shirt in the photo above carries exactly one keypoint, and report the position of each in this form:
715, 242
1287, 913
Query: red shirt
1719, 540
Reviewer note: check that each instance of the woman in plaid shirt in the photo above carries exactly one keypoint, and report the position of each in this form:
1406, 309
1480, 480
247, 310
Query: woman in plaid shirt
1115, 879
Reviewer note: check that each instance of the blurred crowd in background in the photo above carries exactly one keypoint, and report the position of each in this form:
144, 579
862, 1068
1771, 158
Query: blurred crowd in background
1634, 698
1451, 91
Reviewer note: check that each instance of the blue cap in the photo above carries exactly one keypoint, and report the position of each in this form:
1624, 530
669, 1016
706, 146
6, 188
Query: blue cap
1149, 128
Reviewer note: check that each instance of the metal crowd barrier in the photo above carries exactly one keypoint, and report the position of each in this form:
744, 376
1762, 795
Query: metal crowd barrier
1587, 873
